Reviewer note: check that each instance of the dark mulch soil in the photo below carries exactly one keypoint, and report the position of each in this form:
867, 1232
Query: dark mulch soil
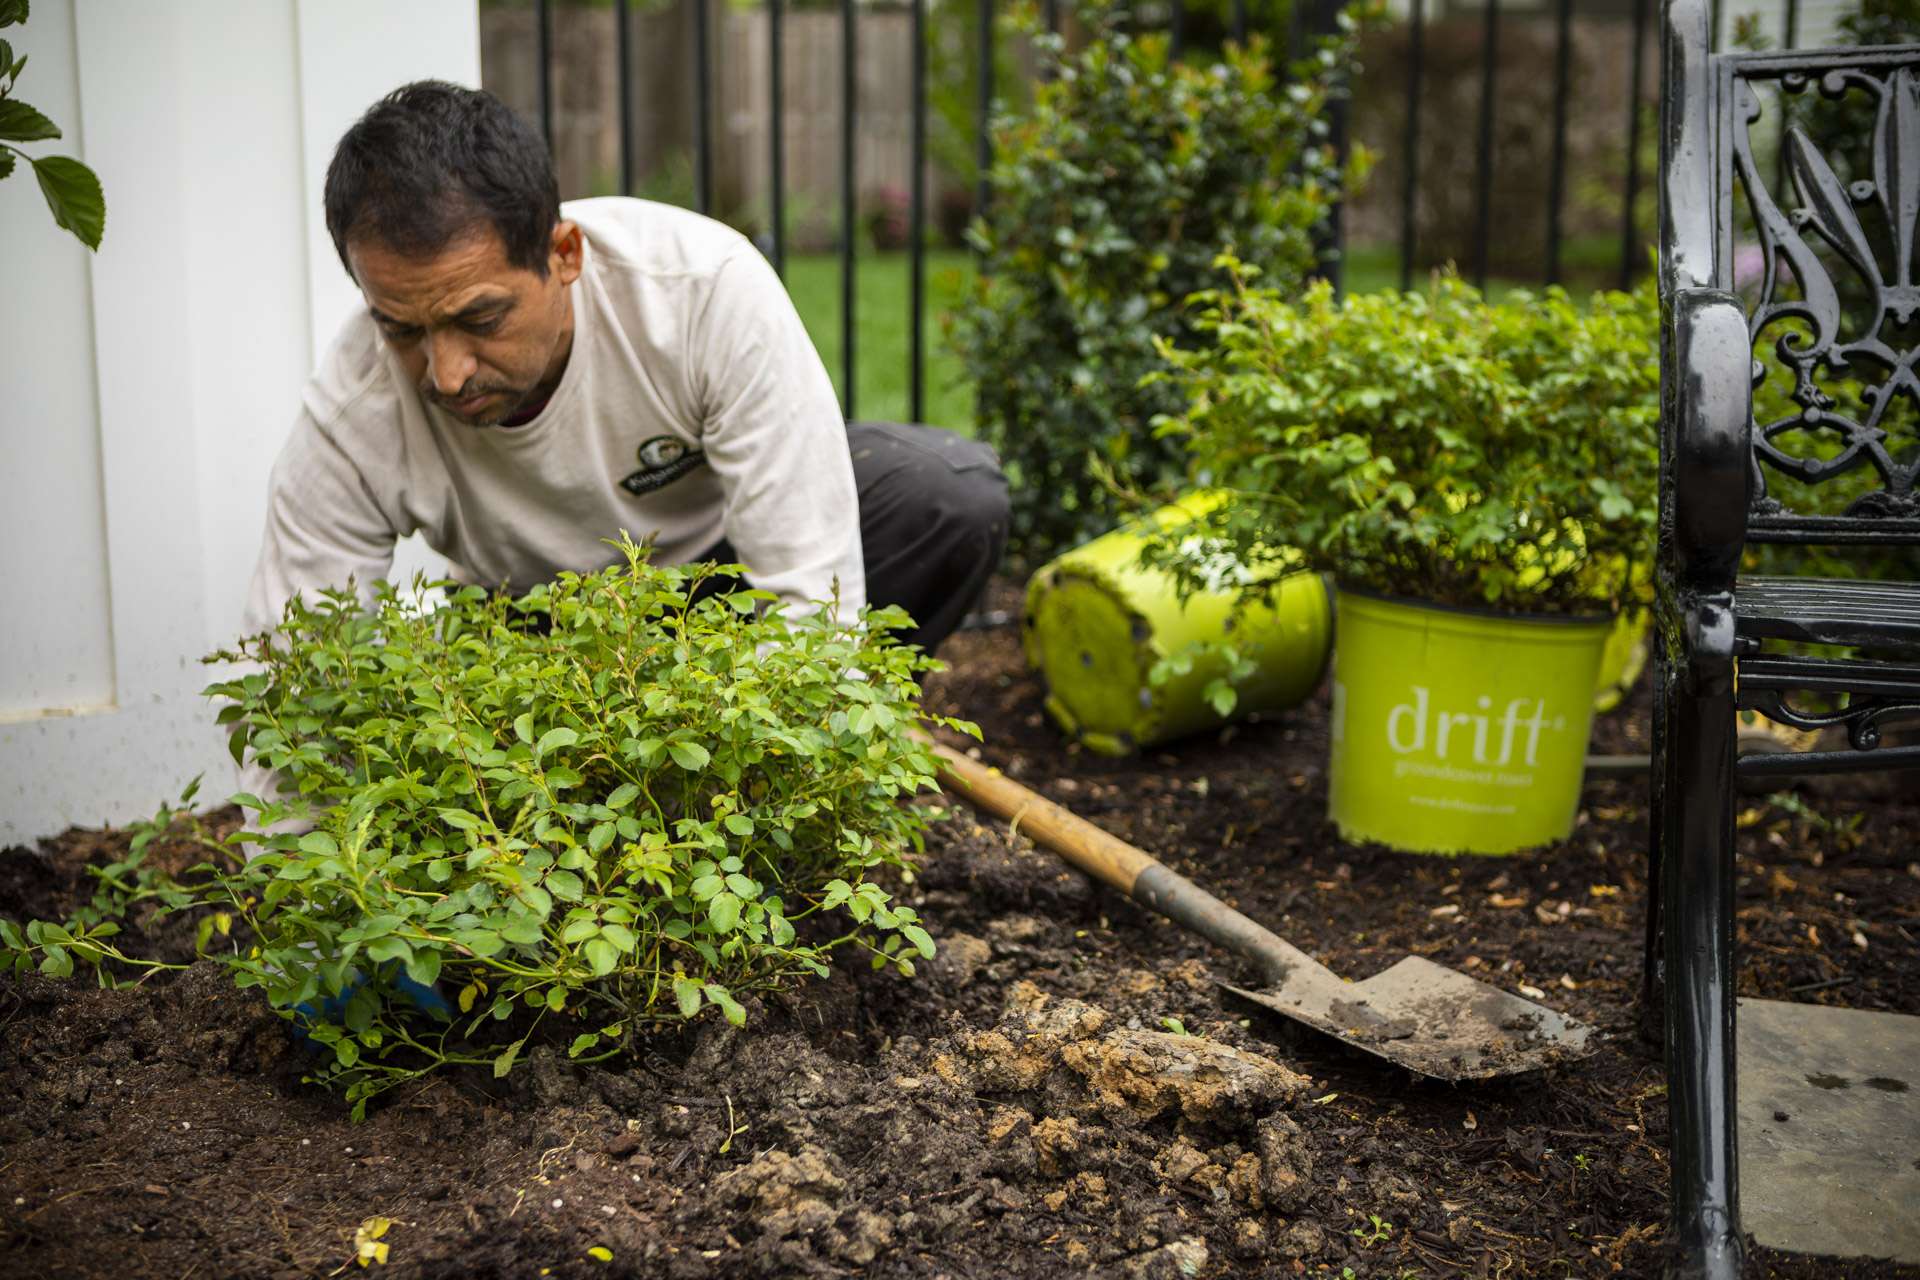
998, 1116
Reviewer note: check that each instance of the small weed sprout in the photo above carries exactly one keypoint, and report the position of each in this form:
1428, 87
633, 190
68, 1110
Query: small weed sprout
1377, 1230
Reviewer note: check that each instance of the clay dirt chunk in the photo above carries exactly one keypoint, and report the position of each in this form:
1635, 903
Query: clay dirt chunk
1286, 1162
797, 1198
1152, 1072
959, 960
1127, 1070
1178, 1260
1055, 1142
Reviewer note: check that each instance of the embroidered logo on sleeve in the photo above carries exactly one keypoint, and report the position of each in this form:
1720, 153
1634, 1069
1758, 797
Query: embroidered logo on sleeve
663, 460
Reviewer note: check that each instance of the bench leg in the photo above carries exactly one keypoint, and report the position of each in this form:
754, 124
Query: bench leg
1653, 956
1696, 913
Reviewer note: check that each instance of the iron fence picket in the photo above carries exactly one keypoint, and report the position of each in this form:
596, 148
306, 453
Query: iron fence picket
623, 77
1629, 236
543, 44
849, 216
984, 102
777, 135
1557, 179
1483, 166
702, 108
917, 224
1410, 160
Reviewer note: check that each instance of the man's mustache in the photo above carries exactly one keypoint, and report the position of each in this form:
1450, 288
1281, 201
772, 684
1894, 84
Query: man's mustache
467, 392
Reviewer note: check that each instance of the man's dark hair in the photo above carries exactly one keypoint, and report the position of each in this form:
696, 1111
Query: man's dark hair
432, 162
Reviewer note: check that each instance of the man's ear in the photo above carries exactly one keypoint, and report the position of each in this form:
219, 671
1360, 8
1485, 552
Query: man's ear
567, 252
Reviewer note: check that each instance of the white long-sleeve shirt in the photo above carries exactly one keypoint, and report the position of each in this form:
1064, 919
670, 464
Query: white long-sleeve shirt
693, 406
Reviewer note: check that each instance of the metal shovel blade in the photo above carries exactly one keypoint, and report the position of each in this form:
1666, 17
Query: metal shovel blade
1429, 1019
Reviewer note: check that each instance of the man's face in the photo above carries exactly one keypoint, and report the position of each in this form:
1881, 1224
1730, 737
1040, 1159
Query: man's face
479, 336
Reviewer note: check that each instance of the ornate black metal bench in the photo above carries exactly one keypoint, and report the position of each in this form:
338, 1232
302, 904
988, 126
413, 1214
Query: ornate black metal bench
1835, 323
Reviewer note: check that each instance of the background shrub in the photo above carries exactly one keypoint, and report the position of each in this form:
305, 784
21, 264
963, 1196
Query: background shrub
1425, 445
1111, 200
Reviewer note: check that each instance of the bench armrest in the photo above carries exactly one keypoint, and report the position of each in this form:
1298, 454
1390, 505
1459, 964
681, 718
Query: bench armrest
1708, 398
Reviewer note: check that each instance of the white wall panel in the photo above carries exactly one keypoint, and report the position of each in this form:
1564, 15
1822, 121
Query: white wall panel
160, 378
56, 646
246, 233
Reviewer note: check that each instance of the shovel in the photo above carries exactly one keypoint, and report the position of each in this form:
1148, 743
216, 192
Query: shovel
1427, 1018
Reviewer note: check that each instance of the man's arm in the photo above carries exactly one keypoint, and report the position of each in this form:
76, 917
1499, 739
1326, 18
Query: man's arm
323, 529
775, 437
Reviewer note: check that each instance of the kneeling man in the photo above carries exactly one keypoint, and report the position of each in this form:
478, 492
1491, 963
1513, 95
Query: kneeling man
529, 380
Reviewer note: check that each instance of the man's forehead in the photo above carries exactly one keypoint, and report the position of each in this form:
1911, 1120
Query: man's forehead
472, 270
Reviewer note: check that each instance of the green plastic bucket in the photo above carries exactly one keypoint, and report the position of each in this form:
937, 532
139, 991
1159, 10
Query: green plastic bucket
1624, 659
1459, 731
1096, 624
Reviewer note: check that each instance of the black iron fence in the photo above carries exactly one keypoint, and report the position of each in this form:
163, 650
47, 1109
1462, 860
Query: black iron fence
1618, 78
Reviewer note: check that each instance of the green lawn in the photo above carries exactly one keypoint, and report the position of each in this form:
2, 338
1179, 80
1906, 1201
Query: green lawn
881, 313
883, 336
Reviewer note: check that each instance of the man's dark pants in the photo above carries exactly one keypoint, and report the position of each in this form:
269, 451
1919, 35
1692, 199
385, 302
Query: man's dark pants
933, 522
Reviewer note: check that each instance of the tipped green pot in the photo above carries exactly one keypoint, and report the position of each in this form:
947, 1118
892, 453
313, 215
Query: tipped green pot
1097, 624
1457, 731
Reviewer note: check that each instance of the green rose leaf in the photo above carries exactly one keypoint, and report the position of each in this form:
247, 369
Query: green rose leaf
56, 963
728, 1005
554, 739
690, 756
602, 956
22, 123
74, 197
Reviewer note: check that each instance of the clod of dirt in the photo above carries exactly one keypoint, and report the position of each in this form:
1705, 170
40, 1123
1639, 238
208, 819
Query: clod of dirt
1176, 1261
796, 1204
1302, 1240
1249, 1239
1180, 1161
1127, 1071
1056, 1140
1006, 1122
1151, 1072
1084, 1193
1286, 1162
1244, 1183
1016, 931
959, 960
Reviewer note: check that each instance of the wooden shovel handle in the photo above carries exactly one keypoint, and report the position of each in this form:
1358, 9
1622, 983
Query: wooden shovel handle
1114, 862
1105, 857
